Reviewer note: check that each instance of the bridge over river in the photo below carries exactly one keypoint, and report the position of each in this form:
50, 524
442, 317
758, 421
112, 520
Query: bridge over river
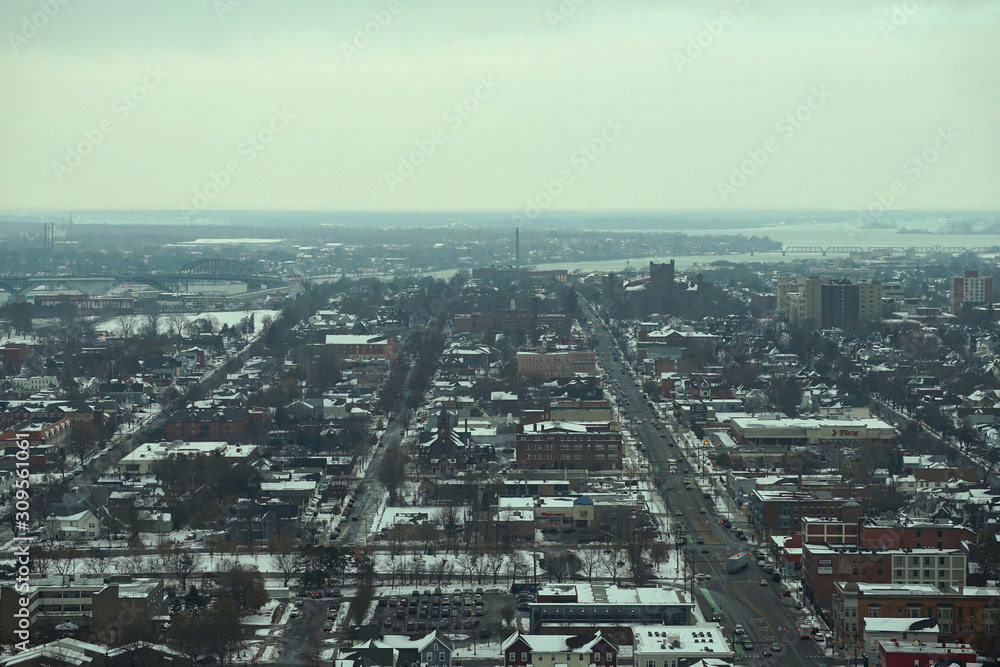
219, 270
889, 250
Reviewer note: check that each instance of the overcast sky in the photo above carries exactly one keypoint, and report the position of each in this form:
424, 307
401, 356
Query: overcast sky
654, 104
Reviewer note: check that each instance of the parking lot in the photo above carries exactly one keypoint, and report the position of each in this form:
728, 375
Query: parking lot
463, 613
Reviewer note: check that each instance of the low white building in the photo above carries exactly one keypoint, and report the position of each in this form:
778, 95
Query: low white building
671, 646
144, 458
34, 383
909, 629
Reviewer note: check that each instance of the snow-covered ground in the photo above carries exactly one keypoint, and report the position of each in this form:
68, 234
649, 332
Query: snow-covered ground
220, 318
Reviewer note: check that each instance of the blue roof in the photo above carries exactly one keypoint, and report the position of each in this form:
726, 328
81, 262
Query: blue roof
583, 500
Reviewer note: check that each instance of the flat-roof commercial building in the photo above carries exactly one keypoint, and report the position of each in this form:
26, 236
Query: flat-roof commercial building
605, 605
759, 432
968, 614
824, 565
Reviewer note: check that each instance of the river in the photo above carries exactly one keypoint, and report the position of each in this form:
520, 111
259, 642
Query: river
821, 234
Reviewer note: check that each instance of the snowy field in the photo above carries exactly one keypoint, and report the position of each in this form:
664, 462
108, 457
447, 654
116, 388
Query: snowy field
219, 319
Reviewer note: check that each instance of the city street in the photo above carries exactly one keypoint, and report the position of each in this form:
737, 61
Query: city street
765, 615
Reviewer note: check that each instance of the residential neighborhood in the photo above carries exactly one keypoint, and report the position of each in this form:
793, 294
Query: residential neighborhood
511, 467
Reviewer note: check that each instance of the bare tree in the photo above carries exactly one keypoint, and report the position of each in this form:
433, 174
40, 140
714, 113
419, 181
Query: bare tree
126, 325
507, 613
590, 558
517, 566
481, 567
659, 553
495, 561
150, 324
134, 560
392, 471
64, 561
613, 562
181, 564
417, 565
175, 326
467, 563
101, 561
451, 526
441, 570
282, 550
395, 538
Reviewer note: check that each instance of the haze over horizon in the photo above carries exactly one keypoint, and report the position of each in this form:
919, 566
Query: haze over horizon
213, 105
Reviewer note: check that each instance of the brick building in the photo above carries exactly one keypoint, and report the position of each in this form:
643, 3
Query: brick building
561, 364
353, 346
210, 423
780, 512
912, 534
967, 615
81, 415
14, 354
51, 432
98, 608
823, 565
817, 530
893, 653
571, 445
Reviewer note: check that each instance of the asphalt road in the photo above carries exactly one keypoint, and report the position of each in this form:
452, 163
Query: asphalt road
300, 638
358, 532
765, 615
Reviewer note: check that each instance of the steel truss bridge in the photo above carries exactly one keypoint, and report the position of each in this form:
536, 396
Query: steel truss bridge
215, 270
888, 250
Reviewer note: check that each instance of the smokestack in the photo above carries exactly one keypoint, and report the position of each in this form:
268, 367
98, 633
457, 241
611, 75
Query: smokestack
517, 247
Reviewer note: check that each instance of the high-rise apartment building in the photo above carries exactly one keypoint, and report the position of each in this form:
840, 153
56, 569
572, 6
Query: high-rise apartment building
971, 288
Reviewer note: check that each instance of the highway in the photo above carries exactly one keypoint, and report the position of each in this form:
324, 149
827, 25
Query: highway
765, 615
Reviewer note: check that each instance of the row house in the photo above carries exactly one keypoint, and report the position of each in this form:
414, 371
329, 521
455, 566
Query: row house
82, 415
50, 433
522, 650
